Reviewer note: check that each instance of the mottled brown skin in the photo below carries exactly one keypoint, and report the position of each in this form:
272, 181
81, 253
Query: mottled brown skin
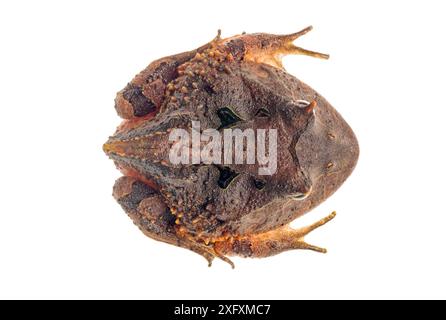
184, 204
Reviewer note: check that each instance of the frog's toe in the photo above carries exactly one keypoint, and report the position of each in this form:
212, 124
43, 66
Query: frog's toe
272, 242
210, 254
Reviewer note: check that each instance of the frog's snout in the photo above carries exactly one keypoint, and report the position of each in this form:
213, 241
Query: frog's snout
328, 148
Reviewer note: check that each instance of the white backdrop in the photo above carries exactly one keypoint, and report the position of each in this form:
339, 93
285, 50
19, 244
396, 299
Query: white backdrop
63, 236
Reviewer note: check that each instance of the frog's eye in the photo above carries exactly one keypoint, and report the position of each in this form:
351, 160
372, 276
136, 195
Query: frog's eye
227, 117
226, 177
263, 113
259, 184
300, 195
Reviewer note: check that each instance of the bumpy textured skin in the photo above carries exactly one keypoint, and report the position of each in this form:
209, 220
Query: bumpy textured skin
183, 204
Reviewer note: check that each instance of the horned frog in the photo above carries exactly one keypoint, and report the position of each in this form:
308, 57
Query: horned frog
219, 210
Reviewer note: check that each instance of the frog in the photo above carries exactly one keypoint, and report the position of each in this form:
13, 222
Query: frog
224, 210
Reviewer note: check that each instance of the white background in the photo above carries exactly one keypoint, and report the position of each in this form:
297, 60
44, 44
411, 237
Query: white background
63, 236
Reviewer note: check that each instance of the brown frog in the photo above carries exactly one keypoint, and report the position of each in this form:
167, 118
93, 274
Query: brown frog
218, 210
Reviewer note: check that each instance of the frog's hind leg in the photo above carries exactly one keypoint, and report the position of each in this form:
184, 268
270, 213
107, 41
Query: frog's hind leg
146, 207
144, 95
272, 242
268, 48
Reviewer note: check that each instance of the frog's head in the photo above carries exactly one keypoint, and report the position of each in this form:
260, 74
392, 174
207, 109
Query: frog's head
327, 150
317, 150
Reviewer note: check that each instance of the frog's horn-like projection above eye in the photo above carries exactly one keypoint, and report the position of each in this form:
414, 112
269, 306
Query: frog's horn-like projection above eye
307, 106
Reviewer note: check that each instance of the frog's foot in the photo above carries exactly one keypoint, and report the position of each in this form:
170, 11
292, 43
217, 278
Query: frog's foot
209, 253
268, 48
203, 250
146, 207
286, 45
272, 242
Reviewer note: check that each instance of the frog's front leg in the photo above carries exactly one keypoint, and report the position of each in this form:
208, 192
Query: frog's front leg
272, 242
148, 210
268, 48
